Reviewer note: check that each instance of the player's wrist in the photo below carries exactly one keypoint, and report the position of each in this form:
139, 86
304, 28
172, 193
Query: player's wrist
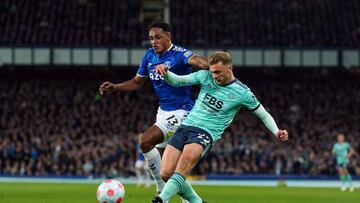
115, 87
277, 134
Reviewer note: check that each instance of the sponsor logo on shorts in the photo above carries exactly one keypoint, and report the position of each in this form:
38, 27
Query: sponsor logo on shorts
205, 139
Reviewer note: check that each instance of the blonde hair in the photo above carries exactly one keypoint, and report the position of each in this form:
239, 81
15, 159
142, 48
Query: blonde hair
219, 56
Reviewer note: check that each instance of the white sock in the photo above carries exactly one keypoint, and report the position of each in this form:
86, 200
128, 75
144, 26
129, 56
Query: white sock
153, 159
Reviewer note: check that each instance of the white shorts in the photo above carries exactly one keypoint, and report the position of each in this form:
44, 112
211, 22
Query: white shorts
168, 122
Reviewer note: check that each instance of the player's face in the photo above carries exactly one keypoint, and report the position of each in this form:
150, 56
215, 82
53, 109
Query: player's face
159, 40
340, 138
221, 73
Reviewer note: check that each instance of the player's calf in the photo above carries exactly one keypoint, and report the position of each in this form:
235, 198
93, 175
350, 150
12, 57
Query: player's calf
147, 141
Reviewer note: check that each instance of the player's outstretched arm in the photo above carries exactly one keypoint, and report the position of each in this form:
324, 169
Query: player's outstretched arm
270, 124
173, 79
197, 61
131, 85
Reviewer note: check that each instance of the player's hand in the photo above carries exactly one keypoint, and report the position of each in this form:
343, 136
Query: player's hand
282, 135
162, 69
106, 87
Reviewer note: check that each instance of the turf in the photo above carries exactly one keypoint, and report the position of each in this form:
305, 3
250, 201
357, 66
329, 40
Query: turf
85, 193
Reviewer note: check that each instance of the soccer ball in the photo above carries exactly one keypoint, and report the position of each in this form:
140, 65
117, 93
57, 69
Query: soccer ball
110, 191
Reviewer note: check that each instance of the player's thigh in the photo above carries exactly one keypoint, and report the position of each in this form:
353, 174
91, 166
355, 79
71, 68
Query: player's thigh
345, 169
160, 149
169, 161
340, 169
191, 154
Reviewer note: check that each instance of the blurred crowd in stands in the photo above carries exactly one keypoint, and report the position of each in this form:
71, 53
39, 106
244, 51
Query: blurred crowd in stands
267, 23
54, 122
195, 23
71, 22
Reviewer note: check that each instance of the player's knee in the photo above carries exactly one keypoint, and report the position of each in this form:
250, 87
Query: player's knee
165, 175
148, 140
185, 166
146, 147
145, 143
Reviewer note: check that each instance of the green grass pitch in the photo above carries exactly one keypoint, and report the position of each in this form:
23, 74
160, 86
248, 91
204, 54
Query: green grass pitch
86, 193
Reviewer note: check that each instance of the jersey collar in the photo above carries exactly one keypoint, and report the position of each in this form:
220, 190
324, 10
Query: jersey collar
171, 46
229, 83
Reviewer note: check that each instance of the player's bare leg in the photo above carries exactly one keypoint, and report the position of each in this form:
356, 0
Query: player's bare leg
169, 160
177, 182
190, 156
151, 137
161, 150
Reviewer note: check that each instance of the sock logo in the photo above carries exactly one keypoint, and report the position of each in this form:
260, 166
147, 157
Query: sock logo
152, 167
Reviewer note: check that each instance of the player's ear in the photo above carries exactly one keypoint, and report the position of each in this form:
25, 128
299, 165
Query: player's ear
168, 34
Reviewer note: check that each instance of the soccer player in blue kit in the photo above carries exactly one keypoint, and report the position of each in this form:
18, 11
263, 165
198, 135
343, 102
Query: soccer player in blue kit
174, 102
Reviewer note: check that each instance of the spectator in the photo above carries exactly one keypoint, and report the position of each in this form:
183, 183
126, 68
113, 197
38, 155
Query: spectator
53, 125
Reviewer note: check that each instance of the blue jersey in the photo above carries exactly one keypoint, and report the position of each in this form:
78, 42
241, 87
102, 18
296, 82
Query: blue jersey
176, 58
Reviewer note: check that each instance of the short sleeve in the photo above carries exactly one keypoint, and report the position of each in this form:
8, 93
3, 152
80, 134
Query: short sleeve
185, 56
142, 70
250, 102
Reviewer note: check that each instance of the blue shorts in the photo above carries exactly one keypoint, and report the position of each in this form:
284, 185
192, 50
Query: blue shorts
189, 134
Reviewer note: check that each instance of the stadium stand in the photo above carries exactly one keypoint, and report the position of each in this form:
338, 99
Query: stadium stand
53, 122
237, 23
266, 23
79, 22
